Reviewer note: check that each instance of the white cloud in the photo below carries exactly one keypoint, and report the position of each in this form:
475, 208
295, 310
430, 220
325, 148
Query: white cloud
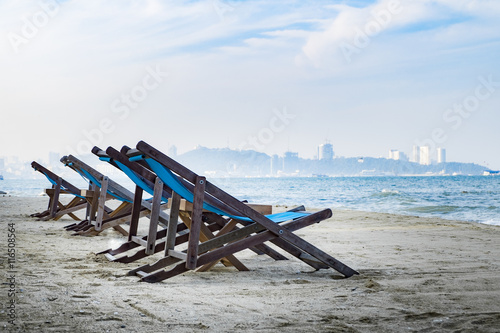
239, 58
351, 34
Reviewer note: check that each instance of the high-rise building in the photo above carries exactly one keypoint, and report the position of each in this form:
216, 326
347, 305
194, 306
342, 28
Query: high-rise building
441, 155
276, 164
290, 162
325, 152
425, 155
416, 154
394, 154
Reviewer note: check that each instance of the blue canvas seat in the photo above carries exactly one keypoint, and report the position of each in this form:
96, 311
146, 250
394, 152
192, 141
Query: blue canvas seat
256, 228
147, 181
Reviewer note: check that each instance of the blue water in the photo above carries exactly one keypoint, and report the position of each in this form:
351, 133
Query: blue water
465, 198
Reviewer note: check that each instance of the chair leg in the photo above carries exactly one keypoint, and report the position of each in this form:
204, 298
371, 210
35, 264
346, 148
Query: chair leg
55, 198
194, 234
136, 210
155, 214
244, 243
173, 222
101, 203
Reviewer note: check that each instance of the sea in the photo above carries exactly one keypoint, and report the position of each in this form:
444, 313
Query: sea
463, 198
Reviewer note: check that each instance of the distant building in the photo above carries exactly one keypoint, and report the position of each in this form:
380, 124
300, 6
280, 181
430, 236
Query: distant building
394, 154
397, 155
276, 164
425, 155
441, 155
416, 154
290, 162
325, 152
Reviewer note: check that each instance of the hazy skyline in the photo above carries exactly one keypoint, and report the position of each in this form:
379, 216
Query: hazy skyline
368, 76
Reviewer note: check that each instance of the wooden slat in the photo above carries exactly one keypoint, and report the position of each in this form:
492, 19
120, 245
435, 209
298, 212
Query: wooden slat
263, 209
50, 192
237, 246
206, 234
173, 222
89, 202
121, 230
163, 262
177, 254
123, 208
262, 237
87, 193
94, 202
155, 213
196, 221
101, 203
160, 246
282, 233
173, 165
73, 206
140, 241
55, 197
231, 258
297, 253
136, 211
145, 174
188, 178
259, 249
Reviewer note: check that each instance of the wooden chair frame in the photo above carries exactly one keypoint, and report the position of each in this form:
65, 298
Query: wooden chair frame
258, 229
146, 180
107, 189
56, 209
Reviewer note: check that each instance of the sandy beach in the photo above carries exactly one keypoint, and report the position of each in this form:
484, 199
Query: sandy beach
416, 275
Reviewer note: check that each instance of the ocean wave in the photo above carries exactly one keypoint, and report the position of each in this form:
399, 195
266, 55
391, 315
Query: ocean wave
492, 222
442, 209
386, 193
480, 192
467, 198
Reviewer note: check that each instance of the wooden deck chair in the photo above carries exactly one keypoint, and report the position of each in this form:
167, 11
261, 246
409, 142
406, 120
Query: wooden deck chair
258, 228
107, 188
146, 180
56, 209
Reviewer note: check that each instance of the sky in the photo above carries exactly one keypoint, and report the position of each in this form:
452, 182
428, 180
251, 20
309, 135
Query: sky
366, 76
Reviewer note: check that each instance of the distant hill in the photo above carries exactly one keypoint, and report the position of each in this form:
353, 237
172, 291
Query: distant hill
225, 162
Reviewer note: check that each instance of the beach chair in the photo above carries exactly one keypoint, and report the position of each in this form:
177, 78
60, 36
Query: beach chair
147, 181
56, 209
106, 189
256, 228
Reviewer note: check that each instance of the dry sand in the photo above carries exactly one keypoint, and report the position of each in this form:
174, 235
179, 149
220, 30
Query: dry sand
417, 275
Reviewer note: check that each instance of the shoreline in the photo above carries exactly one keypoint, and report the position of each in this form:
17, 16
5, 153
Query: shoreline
415, 274
41, 196
474, 200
